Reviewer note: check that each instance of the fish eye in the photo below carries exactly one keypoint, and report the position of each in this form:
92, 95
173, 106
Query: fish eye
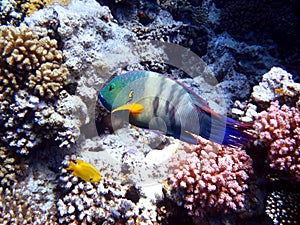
111, 87
91, 179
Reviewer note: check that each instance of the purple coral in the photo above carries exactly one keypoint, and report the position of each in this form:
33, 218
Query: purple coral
211, 178
279, 129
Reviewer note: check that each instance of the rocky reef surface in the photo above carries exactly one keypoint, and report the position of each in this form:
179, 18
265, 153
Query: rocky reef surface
55, 57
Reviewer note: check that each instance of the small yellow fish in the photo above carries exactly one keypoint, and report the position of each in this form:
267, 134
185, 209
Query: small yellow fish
85, 171
280, 91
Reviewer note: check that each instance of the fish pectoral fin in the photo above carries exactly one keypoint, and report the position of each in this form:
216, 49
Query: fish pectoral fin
189, 137
133, 108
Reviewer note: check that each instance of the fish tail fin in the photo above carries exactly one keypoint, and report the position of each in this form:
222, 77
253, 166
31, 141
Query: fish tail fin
236, 133
229, 132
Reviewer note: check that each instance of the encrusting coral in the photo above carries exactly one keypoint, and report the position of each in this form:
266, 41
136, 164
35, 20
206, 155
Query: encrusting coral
279, 129
212, 178
105, 202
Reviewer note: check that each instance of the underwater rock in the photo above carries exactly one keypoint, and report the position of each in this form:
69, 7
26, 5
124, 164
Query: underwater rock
236, 66
277, 82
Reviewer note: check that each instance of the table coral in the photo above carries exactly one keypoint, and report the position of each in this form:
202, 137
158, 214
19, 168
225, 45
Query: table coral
107, 202
279, 129
210, 178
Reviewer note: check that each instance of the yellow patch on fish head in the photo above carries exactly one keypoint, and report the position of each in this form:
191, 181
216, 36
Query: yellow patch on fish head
130, 95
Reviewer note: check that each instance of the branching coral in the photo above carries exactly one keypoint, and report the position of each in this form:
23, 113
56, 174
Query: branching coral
283, 207
210, 179
32, 60
10, 169
19, 208
24, 198
108, 202
279, 129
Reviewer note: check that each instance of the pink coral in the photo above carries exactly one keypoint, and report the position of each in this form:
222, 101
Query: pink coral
279, 129
211, 178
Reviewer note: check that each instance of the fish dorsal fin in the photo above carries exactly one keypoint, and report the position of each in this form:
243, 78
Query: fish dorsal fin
79, 161
198, 102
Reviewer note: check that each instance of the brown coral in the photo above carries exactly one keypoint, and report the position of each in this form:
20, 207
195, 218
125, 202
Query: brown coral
9, 171
30, 59
29, 7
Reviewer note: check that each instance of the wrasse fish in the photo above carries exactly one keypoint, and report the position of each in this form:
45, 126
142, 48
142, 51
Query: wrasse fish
85, 171
154, 101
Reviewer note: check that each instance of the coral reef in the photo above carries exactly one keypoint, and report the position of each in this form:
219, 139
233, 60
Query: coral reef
11, 168
276, 84
212, 178
279, 129
283, 207
26, 193
29, 7
162, 28
108, 202
13, 11
32, 79
38, 111
10, 12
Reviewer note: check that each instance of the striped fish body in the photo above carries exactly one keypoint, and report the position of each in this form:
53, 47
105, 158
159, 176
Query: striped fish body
156, 102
